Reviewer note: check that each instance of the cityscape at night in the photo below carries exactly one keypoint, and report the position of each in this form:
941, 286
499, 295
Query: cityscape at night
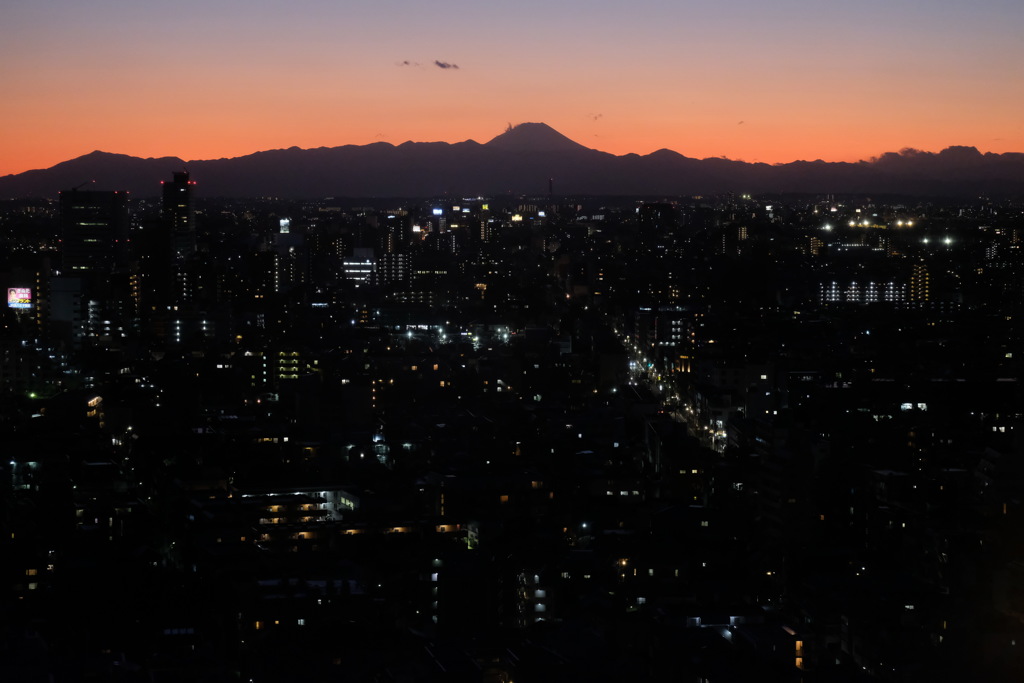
528, 342
531, 438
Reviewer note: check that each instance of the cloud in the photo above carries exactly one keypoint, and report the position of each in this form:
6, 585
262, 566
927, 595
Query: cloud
596, 116
437, 62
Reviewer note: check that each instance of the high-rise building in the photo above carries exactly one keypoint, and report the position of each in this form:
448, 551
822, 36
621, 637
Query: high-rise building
179, 213
920, 290
359, 268
94, 231
393, 268
291, 257
486, 226
179, 219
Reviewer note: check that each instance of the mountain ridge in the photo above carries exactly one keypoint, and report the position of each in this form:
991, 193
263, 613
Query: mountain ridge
523, 160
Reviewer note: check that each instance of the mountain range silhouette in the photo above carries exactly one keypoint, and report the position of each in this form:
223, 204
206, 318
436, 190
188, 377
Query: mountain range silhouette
522, 160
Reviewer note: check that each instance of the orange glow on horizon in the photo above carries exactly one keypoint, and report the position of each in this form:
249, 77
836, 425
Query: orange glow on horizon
765, 143
735, 79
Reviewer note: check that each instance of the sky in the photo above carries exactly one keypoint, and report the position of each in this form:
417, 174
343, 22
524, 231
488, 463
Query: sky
745, 79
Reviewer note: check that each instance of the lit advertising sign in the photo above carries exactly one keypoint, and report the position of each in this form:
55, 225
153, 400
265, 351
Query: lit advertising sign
19, 297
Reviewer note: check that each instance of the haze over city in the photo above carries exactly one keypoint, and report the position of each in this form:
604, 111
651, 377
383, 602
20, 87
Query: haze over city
758, 82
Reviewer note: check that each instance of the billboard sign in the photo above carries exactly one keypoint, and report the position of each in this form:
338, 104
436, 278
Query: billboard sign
19, 297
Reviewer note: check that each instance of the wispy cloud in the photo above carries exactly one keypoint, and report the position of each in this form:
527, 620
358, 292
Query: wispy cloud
437, 62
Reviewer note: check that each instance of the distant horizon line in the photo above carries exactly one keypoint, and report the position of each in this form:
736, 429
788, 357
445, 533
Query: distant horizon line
902, 152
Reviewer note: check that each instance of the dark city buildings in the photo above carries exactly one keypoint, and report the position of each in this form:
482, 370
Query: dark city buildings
703, 438
179, 214
94, 231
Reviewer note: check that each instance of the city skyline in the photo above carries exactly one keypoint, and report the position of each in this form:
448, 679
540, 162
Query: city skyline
771, 84
522, 438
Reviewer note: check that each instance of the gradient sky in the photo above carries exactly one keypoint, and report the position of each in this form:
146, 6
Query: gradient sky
746, 79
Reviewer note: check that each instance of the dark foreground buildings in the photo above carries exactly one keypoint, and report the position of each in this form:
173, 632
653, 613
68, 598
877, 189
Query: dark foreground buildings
94, 231
495, 439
